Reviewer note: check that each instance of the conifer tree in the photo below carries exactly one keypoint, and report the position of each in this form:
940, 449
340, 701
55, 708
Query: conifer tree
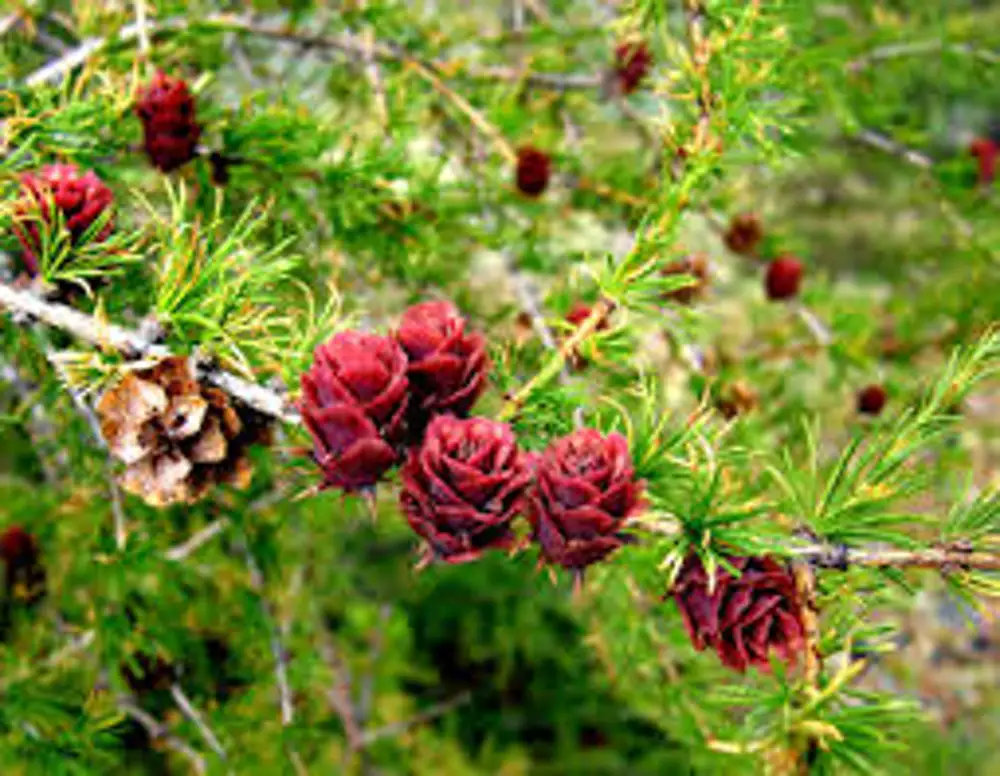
530, 386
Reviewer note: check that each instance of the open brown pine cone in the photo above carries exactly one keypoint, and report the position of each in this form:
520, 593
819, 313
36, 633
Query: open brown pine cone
176, 436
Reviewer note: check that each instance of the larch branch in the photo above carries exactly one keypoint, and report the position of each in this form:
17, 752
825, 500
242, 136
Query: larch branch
131, 344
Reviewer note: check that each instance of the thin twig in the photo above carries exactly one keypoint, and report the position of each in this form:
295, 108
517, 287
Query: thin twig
479, 121
366, 695
191, 713
819, 330
141, 27
159, 732
197, 540
882, 143
277, 650
528, 299
117, 507
700, 53
345, 42
339, 695
896, 50
805, 583
430, 713
556, 82
132, 344
551, 369
73, 647
945, 559
50, 43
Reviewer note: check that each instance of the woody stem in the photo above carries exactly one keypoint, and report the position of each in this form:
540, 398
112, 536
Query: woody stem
131, 344
598, 315
942, 558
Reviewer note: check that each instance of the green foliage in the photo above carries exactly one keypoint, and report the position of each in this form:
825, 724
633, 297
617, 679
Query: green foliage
331, 190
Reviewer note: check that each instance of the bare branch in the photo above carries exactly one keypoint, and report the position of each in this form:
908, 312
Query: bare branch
598, 315
428, 714
81, 326
277, 650
191, 713
132, 344
882, 143
805, 582
117, 508
366, 695
142, 27
339, 695
896, 50
945, 559
354, 45
197, 540
160, 732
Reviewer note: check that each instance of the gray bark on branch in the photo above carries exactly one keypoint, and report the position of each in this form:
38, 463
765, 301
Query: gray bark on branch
347, 43
131, 344
943, 558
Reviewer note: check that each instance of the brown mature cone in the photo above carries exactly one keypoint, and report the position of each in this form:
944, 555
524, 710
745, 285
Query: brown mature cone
176, 436
743, 618
737, 398
744, 233
534, 169
695, 265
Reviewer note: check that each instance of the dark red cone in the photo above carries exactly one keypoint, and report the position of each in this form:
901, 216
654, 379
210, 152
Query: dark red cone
986, 152
746, 618
464, 486
81, 199
783, 278
872, 400
633, 62
585, 490
170, 127
24, 574
534, 168
354, 400
448, 363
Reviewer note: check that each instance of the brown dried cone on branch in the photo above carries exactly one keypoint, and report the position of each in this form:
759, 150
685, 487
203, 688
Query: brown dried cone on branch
744, 233
743, 618
464, 486
176, 436
695, 265
737, 398
585, 490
